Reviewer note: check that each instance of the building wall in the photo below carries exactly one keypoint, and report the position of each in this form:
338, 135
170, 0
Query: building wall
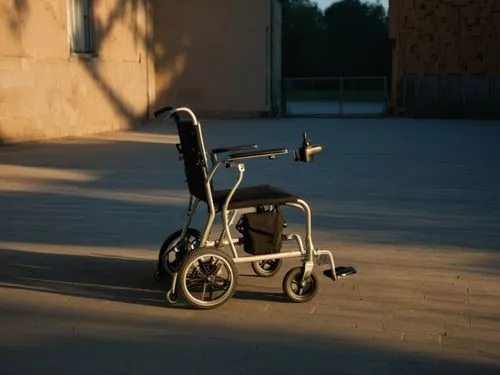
453, 40
277, 106
213, 55
46, 93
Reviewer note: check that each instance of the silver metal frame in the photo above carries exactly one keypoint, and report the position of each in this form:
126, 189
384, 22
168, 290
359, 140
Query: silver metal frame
307, 252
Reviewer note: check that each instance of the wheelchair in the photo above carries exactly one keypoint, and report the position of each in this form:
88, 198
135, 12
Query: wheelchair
202, 271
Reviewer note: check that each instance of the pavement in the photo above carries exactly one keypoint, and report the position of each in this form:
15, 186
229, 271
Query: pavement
414, 205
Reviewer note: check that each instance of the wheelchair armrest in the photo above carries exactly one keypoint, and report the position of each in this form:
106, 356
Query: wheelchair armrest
258, 154
220, 150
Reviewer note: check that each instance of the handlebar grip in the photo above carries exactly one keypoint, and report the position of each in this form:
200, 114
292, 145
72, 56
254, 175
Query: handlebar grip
161, 111
314, 150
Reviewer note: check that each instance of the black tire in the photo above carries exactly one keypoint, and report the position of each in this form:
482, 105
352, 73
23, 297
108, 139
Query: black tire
293, 288
207, 277
168, 267
267, 268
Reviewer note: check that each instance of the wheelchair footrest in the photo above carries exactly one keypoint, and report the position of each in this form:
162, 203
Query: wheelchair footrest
340, 272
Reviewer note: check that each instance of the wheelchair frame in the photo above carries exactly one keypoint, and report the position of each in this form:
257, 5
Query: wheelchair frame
308, 254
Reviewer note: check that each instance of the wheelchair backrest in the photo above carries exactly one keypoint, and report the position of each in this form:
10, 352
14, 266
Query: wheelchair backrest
195, 160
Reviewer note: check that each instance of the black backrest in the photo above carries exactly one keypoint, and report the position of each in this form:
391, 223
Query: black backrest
193, 152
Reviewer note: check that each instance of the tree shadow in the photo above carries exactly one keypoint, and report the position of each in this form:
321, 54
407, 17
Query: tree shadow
104, 191
373, 183
16, 18
163, 59
163, 53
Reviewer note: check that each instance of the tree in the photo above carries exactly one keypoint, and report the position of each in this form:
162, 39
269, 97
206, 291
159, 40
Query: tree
349, 39
302, 37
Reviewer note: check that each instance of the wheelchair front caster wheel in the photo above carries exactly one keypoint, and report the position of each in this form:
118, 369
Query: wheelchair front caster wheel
298, 291
158, 275
172, 297
267, 268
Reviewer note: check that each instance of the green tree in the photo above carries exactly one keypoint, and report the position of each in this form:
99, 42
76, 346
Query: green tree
349, 39
303, 33
357, 40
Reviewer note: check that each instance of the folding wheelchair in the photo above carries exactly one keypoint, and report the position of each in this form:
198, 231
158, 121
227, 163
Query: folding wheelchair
203, 273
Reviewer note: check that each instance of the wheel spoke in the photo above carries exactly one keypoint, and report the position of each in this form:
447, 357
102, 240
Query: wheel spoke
195, 282
217, 267
203, 292
222, 285
202, 268
221, 280
211, 294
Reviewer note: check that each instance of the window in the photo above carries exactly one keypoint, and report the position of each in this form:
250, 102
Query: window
81, 30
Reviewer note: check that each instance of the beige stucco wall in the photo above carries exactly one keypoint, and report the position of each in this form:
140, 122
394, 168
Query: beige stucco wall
46, 93
213, 55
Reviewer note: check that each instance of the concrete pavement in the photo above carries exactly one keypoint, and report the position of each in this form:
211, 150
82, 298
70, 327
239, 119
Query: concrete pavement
414, 205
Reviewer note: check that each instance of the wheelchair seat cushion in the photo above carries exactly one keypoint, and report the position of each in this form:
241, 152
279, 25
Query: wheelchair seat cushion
253, 196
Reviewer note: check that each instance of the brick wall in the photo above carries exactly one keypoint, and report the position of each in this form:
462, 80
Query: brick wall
442, 38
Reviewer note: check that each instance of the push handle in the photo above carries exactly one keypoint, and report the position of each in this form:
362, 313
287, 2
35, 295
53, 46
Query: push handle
174, 111
163, 110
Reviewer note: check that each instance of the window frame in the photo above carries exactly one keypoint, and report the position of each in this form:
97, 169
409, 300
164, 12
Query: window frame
81, 36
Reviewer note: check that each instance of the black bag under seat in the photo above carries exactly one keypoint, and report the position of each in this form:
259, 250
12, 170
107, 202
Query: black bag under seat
262, 231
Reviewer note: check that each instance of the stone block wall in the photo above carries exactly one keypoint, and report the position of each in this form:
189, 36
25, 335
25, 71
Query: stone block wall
445, 38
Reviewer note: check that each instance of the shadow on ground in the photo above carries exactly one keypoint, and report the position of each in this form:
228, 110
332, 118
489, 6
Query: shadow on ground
388, 182
119, 279
110, 278
128, 344
384, 182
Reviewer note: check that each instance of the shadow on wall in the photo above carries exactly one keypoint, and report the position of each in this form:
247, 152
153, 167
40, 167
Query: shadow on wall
17, 19
167, 54
171, 39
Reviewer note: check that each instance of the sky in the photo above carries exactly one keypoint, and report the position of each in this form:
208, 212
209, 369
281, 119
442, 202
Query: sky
325, 3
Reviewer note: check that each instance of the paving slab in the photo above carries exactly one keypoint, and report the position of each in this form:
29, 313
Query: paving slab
414, 205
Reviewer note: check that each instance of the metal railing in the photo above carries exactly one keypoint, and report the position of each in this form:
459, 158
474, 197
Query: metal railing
335, 96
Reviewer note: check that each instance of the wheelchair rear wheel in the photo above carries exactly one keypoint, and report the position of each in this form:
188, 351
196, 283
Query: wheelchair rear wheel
207, 278
171, 256
267, 268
